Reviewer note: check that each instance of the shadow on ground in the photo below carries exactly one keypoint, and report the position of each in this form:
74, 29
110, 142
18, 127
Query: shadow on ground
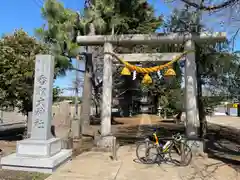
168, 121
12, 135
221, 146
131, 134
97, 121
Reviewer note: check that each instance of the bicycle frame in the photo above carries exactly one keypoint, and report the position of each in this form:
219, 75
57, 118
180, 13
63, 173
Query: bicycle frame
156, 138
167, 145
157, 143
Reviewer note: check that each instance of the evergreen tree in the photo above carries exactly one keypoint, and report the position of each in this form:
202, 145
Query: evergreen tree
17, 63
57, 33
121, 17
124, 17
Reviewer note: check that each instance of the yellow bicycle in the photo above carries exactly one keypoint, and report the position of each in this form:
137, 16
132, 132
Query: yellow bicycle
157, 149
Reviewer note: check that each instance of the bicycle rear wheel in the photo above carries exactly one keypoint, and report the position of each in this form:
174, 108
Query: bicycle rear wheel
141, 150
180, 156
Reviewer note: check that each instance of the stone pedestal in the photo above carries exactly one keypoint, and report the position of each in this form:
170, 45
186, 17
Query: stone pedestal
37, 156
105, 143
197, 146
39, 148
35, 164
41, 152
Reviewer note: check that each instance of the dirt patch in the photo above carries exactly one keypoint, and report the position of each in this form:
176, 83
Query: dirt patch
138, 120
86, 144
7, 147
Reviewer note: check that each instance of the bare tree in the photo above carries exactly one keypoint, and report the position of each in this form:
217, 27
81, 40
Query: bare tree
220, 5
221, 15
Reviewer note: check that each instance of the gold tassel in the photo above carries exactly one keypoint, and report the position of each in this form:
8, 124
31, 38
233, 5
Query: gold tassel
125, 72
147, 79
170, 72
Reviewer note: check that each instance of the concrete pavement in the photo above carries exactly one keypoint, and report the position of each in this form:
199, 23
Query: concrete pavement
98, 165
228, 121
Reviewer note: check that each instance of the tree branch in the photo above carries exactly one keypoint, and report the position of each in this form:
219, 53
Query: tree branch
79, 70
210, 8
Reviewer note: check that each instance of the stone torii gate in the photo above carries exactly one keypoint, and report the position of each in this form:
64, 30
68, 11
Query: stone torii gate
42, 152
188, 39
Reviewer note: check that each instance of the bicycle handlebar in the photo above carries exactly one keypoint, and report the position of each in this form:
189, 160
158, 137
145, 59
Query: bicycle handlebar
177, 137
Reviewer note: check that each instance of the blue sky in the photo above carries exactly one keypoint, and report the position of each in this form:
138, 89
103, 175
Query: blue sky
26, 14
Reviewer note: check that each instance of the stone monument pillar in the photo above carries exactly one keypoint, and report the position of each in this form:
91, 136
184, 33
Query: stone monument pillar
41, 152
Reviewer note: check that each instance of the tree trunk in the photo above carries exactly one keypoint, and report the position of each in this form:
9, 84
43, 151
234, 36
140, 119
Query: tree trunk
87, 96
201, 110
96, 110
87, 89
96, 103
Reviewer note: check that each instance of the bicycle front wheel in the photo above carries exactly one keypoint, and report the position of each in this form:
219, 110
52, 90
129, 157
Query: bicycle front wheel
180, 154
187, 155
